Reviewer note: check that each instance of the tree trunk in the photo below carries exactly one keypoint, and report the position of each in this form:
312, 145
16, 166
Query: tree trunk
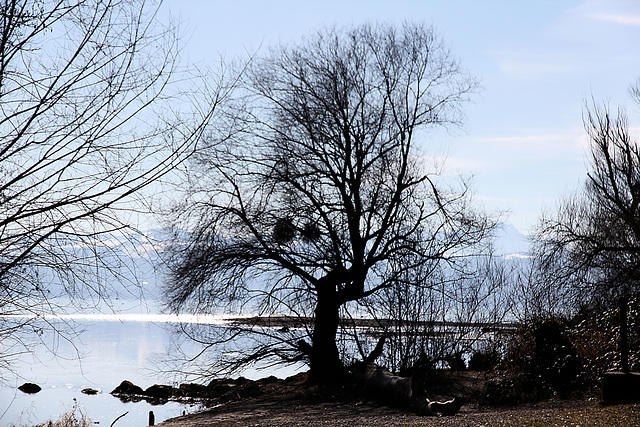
325, 362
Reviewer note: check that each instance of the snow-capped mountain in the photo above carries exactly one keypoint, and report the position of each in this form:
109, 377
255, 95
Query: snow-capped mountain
509, 241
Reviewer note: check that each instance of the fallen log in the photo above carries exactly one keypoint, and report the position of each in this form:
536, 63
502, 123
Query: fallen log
406, 392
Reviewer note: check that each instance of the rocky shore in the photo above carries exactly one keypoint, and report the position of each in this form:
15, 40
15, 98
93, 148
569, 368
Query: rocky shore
294, 402
216, 392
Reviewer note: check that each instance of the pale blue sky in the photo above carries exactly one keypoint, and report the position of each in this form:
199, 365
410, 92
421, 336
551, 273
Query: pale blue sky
538, 62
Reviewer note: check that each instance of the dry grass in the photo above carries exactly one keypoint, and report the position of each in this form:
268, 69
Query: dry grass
72, 418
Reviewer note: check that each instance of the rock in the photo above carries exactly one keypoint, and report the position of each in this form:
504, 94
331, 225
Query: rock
299, 378
158, 391
268, 380
217, 388
30, 388
127, 387
248, 389
219, 381
194, 390
89, 391
620, 388
241, 381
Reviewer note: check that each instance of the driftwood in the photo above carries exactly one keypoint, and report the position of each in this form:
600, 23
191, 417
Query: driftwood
116, 420
406, 392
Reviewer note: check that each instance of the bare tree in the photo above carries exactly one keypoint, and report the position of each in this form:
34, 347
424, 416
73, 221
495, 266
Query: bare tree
590, 247
437, 313
91, 95
313, 194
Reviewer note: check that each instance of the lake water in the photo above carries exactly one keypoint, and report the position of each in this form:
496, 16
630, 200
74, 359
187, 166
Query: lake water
113, 348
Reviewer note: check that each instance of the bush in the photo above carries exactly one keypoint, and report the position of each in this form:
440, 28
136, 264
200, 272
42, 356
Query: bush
540, 362
484, 360
595, 336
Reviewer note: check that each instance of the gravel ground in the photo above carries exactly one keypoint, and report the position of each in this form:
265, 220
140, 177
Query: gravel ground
294, 402
285, 412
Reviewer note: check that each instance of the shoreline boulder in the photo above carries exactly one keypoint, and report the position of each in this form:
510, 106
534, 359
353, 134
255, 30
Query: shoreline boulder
29, 388
129, 388
159, 391
194, 390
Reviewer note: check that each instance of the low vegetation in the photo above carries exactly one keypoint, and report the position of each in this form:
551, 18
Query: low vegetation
562, 358
74, 417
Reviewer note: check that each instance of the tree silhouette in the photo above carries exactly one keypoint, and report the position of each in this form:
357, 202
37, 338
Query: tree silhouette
90, 93
589, 248
312, 194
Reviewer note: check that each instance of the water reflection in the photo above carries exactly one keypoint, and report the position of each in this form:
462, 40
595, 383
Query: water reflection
111, 348
110, 351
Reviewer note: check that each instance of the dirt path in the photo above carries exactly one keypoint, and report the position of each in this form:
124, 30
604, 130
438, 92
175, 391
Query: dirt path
287, 412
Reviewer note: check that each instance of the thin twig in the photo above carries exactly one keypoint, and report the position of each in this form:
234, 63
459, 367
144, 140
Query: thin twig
114, 421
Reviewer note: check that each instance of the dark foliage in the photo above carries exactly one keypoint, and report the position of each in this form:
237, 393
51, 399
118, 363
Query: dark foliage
484, 360
555, 357
540, 363
595, 336
284, 230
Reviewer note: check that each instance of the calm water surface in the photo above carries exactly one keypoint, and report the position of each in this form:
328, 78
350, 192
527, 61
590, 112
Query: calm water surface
112, 350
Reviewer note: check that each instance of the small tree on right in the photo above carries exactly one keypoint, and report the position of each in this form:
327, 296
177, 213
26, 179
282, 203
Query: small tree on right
588, 250
586, 256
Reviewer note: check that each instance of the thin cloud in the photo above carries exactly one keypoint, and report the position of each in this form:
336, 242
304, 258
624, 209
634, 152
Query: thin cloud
504, 201
633, 20
570, 141
462, 164
524, 139
515, 68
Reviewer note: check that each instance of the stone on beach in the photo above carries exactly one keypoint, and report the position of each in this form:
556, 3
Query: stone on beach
30, 388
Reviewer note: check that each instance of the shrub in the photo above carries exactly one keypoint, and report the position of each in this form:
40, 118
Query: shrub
484, 360
595, 336
540, 362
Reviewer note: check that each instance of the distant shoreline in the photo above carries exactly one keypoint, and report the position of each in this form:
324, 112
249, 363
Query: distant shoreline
281, 321
277, 321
